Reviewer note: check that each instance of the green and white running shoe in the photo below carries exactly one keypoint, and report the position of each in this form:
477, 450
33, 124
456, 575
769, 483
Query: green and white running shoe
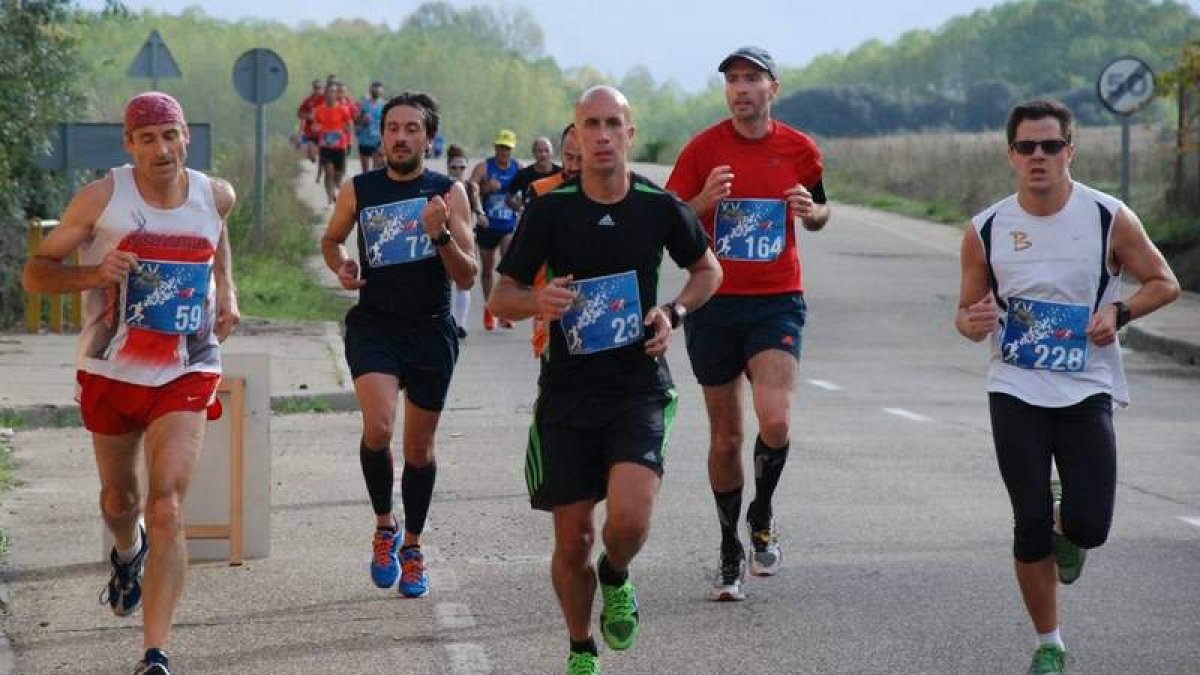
1048, 660
583, 663
1068, 557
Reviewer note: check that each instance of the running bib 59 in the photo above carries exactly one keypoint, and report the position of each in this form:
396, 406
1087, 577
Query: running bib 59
167, 297
1041, 335
394, 234
750, 229
606, 314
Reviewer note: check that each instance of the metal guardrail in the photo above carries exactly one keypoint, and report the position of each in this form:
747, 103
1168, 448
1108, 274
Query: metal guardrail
65, 309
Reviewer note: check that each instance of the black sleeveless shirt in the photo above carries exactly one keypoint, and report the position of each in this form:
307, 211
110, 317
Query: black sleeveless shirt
404, 273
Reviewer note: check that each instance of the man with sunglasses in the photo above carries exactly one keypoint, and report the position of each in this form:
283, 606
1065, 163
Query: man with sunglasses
750, 178
1041, 282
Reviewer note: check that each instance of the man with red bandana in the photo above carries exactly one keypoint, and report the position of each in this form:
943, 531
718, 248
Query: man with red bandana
156, 275
751, 179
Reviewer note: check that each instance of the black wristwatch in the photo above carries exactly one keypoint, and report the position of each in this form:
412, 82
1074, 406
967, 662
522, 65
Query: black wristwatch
675, 312
1123, 316
442, 239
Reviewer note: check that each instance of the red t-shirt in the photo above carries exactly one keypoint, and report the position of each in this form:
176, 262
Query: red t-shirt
306, 108
331, 124
762, 169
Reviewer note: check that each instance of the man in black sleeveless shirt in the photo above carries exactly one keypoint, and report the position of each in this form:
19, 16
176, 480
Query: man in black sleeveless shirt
413, 240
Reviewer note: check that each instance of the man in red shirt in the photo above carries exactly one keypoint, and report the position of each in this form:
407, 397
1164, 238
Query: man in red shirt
308, 137
333, 122
750, 178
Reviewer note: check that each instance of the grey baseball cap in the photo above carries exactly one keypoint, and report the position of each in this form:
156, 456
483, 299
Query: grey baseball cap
756, 55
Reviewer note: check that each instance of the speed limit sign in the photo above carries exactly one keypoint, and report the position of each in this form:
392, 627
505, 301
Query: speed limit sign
1126, 85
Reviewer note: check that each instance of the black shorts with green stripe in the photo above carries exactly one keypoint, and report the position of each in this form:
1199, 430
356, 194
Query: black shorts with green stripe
576, 437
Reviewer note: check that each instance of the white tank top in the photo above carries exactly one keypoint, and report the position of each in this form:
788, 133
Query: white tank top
1049, 275
157, 324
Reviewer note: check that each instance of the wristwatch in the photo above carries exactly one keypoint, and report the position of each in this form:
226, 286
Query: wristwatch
675, 312
1123, 316
442, 239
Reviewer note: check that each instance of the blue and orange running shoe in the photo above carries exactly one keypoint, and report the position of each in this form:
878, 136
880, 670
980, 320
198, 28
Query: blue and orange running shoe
414, 582
385, 565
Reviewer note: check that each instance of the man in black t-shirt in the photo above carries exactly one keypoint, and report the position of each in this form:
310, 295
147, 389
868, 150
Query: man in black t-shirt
606, 400
543, 165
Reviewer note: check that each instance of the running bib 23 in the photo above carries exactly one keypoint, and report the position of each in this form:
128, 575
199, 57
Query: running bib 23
606, 314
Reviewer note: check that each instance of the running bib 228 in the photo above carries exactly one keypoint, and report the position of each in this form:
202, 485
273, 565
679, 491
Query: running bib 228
750, 229
1041, 335
606, 314
167, 297
394, 234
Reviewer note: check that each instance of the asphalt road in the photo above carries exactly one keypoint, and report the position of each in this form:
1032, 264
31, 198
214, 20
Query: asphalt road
896, 527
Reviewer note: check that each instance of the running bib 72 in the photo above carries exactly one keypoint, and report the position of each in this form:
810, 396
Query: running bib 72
1040, 335
167, 297
750, 229
606, 314
394, 234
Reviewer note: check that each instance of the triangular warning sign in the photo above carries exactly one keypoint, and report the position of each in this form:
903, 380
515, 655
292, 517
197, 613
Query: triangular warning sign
154, 60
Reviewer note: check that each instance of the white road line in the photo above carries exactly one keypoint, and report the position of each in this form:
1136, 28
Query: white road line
1195, 522
910, 237
907, 414
468, 659
825, 384
453, 615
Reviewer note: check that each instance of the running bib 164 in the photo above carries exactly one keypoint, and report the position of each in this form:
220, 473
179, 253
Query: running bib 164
750, 229
394, 234
606, 314
1041, 335
167, 297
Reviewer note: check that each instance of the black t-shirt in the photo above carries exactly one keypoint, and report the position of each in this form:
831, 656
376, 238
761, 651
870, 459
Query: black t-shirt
404, 273
576, 236
527, 175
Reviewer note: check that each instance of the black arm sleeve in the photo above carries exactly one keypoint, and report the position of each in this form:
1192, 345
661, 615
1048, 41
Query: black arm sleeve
818, 193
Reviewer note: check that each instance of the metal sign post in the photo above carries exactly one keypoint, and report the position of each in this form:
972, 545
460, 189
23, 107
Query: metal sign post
154, 61
260, 76
1125, 86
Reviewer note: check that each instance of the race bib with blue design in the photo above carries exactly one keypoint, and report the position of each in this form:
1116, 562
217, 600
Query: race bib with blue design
496, 208
606, 314
393, 233
167, 297
331, 139
1040, 335
750, 229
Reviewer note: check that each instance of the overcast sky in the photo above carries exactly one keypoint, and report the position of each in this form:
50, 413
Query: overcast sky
615, 35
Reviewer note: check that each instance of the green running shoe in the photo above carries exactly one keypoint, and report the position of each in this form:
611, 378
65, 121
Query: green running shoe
1048, 660
583, 663
1068, 557
619, 618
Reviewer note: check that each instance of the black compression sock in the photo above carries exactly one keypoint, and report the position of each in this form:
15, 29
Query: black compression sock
768, 466
587, 646
416, 491
379, 474
729, 507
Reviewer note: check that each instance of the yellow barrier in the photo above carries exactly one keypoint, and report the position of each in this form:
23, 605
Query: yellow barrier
36, 231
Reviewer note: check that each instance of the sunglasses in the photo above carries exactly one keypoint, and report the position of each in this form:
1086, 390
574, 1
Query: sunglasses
1029, 147
458, 167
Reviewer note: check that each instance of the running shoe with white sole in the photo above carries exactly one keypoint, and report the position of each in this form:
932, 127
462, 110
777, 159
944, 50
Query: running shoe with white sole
765, 553
727, 585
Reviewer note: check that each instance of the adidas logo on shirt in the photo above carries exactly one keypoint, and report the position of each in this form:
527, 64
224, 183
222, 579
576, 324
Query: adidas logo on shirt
607, 221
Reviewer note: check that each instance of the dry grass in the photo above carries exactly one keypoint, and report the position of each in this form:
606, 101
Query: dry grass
954, 175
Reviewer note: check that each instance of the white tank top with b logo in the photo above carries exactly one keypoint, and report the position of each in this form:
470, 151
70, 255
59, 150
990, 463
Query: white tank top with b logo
1049, 275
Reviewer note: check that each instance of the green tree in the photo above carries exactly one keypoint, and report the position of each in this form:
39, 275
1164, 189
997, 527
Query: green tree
39, 71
